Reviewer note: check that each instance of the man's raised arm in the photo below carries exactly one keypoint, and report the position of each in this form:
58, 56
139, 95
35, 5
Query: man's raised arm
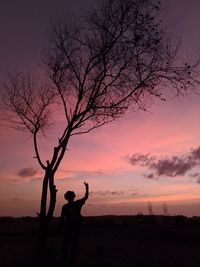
86, 191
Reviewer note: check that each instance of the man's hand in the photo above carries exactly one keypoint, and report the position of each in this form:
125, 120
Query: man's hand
86, 184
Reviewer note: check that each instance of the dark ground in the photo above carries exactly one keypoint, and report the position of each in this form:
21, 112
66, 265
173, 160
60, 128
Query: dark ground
136, 241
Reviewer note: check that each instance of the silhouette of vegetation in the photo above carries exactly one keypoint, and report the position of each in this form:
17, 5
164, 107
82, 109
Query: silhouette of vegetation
150, 208
115, 58
165, 209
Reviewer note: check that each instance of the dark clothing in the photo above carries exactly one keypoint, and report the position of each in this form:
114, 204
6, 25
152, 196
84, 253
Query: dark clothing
71, 220
72, 211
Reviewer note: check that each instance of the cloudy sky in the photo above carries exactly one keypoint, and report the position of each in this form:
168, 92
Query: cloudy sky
151, 156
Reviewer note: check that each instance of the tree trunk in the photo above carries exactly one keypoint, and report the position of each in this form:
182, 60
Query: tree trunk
45, 216
42, 239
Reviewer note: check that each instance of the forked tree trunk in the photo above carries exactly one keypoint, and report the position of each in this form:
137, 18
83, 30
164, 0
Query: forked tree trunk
49, 188
46, 214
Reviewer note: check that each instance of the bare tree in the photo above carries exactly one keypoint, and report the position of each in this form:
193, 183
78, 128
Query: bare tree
150, 208
165, 209
115, 58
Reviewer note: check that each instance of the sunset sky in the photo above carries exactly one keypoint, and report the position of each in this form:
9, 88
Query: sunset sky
151, 156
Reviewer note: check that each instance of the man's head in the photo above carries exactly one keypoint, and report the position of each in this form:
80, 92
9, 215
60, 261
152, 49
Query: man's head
69, 196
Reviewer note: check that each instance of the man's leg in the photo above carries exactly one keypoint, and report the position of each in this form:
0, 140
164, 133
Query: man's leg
65, 250
74, 245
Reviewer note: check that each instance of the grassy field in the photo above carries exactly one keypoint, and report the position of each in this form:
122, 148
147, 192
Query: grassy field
120, 241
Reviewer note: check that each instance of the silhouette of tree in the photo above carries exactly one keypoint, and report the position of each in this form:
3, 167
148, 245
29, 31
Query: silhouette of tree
114, 58
165, 209
150, 208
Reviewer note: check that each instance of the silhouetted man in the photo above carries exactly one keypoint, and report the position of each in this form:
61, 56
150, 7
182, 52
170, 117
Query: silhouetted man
71, 220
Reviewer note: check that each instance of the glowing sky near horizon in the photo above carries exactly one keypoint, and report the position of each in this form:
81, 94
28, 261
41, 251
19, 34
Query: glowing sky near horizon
102, 157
